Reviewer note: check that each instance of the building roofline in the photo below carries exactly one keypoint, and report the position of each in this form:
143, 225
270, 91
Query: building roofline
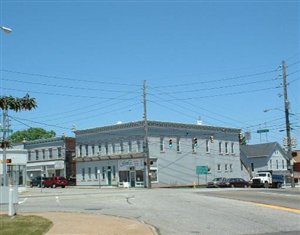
39, 141
156, 124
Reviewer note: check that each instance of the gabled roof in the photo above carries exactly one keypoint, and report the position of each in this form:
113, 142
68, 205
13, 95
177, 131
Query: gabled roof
261, 150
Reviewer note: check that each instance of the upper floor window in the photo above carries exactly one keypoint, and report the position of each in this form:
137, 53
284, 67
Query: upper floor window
139, 146
162, 147
129, 146
99, 148
80, 150
178, 144
282, 164
207, 146
232, 148
226, 168
29, 156
59, 152
122, 147
36, 154
93, 150
106, 149
86, 150
219, 167
252, 166
277, 165
270, 163
220, 147
226, 148
50, 153
44, 154
113, 146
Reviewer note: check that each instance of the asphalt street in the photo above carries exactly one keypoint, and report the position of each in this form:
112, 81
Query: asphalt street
180, 211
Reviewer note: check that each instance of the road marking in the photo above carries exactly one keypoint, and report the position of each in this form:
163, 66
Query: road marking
278, 207
57, 200
21, 202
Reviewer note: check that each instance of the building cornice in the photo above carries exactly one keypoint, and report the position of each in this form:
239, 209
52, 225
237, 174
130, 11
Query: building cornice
156, 124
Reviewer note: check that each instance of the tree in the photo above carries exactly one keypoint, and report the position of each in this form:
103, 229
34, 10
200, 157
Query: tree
16, 104
31, 134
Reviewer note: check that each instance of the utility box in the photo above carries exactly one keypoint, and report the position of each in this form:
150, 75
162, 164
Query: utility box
4, 194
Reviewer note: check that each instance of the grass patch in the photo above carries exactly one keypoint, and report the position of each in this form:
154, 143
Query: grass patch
25, 225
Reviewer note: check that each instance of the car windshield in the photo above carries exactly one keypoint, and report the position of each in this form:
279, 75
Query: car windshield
262, 174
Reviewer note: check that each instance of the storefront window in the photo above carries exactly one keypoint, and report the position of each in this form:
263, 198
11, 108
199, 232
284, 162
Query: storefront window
139, 176
124, 176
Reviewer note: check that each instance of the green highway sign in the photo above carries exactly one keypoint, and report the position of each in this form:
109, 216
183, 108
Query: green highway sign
202, 170
263, 131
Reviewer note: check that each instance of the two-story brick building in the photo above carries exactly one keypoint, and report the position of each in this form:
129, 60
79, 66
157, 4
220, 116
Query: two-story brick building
51, 157
111, 155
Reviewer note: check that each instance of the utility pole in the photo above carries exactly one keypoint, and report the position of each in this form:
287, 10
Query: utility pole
287, 124
4, 141
146, 145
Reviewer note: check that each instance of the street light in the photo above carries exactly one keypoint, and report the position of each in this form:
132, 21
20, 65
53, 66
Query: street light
6, 29
4, 170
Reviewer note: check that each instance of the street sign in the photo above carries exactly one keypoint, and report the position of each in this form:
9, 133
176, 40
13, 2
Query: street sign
263, 131
202, 170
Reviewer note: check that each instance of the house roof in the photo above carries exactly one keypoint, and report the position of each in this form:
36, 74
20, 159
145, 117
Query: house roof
261, 150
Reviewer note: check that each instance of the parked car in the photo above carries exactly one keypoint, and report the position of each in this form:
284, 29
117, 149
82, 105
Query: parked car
216, 182
235, 182
55, 181
38, 181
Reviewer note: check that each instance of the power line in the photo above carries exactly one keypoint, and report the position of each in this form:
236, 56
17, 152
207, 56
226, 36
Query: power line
68, 79
219, 80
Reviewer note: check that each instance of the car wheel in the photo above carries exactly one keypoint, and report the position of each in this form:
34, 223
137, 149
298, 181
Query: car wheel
232, 186
279, 185
38, 185
54, 186
62, 186
245, 186
266, 185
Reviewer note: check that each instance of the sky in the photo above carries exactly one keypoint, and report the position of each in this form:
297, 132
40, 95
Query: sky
85, 63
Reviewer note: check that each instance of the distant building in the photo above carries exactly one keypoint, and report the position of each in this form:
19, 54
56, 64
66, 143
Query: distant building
16, 165
112, 155
267, 156
296, 166
51, 157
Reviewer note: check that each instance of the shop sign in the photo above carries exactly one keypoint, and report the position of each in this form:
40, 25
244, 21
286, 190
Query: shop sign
59, 165
127, 164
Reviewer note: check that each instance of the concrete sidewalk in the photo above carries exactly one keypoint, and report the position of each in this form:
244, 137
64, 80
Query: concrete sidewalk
65, 223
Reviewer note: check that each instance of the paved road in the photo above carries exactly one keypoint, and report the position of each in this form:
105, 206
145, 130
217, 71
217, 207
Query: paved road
180, 211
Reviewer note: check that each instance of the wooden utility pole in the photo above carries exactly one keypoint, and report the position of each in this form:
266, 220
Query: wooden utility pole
287, 124
146, 145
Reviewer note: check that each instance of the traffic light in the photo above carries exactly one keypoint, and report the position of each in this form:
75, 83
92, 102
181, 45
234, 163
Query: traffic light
242, 139
170, 143
195, 140
8, 161
211, 138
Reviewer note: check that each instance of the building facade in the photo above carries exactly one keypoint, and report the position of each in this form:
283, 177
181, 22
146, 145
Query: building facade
51, 157
114, 155
16, 165
265, 157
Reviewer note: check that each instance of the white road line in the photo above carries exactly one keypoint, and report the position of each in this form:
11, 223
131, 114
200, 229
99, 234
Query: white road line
21, 202
57, 200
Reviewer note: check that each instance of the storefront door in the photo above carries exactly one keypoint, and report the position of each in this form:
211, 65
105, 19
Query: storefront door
132, 178
109, 178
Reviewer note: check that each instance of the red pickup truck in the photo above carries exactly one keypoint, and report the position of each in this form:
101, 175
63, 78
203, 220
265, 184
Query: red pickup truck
55, 181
